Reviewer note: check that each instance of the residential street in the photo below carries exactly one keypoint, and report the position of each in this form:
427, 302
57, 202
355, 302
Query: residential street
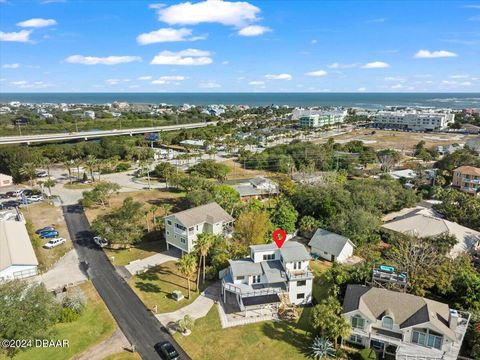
137, 323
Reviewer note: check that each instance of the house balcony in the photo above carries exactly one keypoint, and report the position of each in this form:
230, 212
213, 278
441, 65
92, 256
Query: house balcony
300, 274
180, 232
245, 290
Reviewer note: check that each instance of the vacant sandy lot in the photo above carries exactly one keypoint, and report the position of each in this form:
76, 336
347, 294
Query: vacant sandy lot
403, 141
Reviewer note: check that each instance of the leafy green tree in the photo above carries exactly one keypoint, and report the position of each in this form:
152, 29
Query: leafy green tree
28, 172
227, 197
123, 225
210, 169
198, 197
165, 170
359, 225
327, 320
91, 163
308, 224
283, 215
252, 227
459, 207
187, 265
27, 310
100, 194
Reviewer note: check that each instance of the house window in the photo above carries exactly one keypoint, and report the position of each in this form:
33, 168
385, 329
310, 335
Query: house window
355, 339
169, 222
269, 257
358, 322
240, 277
297, 265
168, 232
387, 322
426, 338
301, 283
255, 279
183, 240
326, 253
301, 296
190, 229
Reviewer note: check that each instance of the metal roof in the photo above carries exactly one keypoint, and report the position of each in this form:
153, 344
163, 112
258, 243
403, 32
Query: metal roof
328, 241
245, 267
274, 271
15, 245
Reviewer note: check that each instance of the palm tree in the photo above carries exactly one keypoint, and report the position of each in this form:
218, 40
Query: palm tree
28, 171
67, 164
202, 245
166, 207
187, 266
153, 209
91, 163
322, 348
76, 163
49, 183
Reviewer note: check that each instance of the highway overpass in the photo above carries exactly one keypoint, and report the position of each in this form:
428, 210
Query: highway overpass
86, 135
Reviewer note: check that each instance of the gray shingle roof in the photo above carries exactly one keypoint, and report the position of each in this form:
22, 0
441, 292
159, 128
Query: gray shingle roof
407, 310
273, 271
211, 213
245, 267
329, 241
290, 251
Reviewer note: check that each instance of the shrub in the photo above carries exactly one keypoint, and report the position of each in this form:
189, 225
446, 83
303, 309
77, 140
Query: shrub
185, 324
367, 354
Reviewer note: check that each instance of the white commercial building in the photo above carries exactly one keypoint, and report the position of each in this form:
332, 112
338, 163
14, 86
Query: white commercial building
17, 258
321, 118
413, 120
268, 275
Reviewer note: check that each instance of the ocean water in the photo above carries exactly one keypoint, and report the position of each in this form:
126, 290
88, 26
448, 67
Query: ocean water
364, 100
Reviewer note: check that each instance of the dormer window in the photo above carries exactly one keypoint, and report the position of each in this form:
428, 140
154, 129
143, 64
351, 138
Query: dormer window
387, 322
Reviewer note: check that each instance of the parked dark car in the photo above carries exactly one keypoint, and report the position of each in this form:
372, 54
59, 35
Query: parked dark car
3, 196
10, 194
10, 204
45, 229
27, 192
166, 350
49, 234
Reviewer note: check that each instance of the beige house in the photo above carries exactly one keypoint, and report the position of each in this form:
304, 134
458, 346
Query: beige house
17, 258
467, 179
403, 326
182, 228
5, 180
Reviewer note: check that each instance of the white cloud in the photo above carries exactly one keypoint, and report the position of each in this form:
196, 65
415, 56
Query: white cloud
11, 66
209, 85
20, 82
474, 18
116, 81
159, 82
226, 62
362, 89
108, 60
375, 65
147, 77
394, 78
167, 35
52, 1
173, 78
314, 41
427, 54
37, 23
316, 73
253, 30
193, 57
466, 83
228, 13
458, 76
341, 66
256, 82
472, 6
378, 20
279, 76
20, 36
23, 84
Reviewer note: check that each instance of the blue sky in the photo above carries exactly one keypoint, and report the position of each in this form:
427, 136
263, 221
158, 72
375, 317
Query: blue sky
247, 46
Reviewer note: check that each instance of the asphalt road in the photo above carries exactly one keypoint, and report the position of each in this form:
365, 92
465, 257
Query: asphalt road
137, 323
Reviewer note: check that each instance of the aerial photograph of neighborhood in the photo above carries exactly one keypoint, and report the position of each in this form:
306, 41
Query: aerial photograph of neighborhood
239, 179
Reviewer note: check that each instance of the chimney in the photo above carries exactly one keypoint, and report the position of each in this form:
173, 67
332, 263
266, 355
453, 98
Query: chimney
453, 321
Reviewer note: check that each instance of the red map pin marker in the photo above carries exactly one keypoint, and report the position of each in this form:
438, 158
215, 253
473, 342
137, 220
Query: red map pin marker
279, 236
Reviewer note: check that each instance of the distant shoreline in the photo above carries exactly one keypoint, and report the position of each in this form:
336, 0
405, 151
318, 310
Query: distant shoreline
368, 100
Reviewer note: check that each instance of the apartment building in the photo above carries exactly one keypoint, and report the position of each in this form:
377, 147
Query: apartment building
324, 118
413, 120
182, 228
467, 179
403, 326
269, 275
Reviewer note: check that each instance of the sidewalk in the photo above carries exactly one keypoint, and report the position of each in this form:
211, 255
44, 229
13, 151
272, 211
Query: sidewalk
65, 272
113, 345
138, 266
197, 309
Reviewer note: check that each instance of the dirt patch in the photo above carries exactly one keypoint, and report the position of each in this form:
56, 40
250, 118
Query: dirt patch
404, 141
44, 214
238, 172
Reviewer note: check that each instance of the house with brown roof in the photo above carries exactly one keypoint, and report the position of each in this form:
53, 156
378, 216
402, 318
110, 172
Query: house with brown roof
467, 179
182, 228
17, 258
403, 326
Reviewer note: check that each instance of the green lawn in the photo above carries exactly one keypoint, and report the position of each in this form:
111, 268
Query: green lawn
95, 325
138, 251
320, 285
156, 285
275, 340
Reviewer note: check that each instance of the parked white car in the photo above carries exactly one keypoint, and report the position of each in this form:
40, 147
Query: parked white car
54, 243
42, 174
98, 240
35, 198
